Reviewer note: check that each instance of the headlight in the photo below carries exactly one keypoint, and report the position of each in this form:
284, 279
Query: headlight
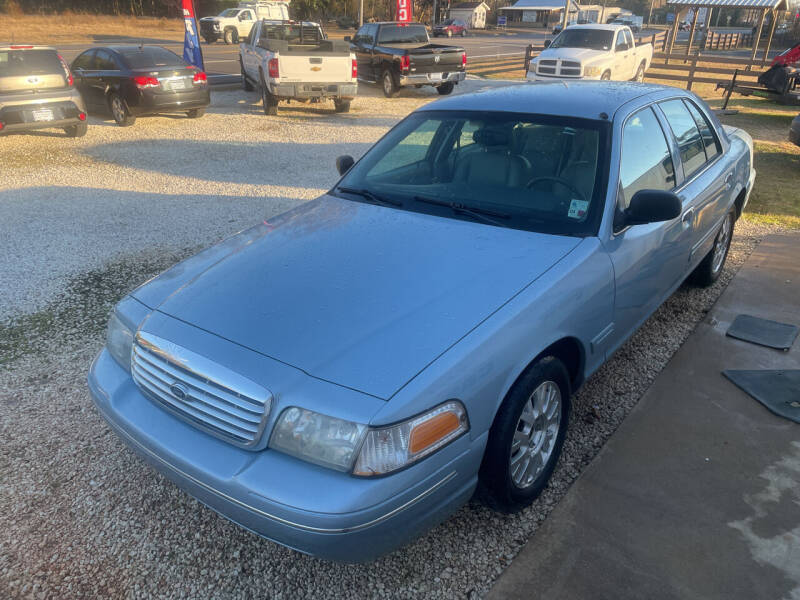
390, 448
591, 71
119, 341
334, 443
323, 440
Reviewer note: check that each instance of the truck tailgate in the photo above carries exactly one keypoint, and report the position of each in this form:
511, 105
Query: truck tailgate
321, 67
435, 59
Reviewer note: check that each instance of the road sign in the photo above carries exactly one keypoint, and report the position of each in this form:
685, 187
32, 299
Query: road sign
404, 11
670, 17
501, 21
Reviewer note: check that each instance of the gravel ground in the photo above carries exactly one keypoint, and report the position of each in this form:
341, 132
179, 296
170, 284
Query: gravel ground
80, 514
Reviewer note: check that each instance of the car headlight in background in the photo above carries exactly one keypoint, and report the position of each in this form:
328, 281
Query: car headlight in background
387, 449
591, 71
338, 444
119, 340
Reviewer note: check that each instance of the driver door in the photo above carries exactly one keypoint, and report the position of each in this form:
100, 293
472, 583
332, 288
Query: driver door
622, 57
649, 260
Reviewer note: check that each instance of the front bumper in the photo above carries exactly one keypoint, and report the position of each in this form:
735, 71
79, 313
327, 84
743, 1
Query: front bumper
314, 90
432, 78
149, 102
21, 117
243, 485
533, 76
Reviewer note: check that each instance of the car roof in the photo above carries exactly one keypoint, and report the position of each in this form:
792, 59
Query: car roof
581, 99
608, 26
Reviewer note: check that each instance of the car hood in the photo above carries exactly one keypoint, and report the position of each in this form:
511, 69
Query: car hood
576, 54
359, 295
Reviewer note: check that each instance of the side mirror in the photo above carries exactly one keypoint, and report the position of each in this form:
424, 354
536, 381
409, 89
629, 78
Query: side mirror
547, 43
343, 163
652, 206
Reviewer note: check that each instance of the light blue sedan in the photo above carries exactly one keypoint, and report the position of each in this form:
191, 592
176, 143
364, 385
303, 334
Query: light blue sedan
341, 378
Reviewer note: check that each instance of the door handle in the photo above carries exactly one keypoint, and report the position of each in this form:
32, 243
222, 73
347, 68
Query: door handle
728, 179
688, 216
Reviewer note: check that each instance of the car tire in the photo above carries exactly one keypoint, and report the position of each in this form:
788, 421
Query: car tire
246, 85
77, 130
270, 102
341, 106
196, 113
230, 36
120, 111
710, 268
639, 77
526, 437
445, 88
463, 33
389, 83
606, 76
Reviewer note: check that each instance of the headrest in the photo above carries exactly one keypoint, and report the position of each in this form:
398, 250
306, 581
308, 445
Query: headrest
491, 137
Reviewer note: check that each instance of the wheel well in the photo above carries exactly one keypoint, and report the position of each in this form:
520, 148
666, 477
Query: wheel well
739, 202
570, 352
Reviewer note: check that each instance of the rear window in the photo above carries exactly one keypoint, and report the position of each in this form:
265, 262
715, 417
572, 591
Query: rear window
292, 33
402, 34
150, 57
16, 63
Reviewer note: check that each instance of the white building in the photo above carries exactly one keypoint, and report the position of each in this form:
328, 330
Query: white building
472, 13
539, 13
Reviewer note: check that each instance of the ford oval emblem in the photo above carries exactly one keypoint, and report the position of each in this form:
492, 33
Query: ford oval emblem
179, 391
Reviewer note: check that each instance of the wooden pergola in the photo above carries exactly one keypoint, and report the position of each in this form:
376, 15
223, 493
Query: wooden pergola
760, 5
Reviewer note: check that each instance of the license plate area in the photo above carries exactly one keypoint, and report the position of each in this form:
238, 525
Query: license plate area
42, 114
174, 85
435, 76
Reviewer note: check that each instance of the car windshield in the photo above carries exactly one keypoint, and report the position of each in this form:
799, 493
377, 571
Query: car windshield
594, 39
229, 13
533, 172
16, 63
447, 22
403, 34
149, 57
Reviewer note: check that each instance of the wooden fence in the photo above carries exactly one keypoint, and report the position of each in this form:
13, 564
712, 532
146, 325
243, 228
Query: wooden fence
726, 41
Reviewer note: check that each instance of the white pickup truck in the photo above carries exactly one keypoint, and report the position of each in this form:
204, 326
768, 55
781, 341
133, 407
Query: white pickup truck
233, 24
289, 60
592, 52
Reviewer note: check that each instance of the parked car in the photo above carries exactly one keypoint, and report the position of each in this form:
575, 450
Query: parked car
632, 21
233, 24
400, 54
346, 22
131, 81
450, 27
592, 52
794, 131
290, 60
559, 27
469, 273
37, 92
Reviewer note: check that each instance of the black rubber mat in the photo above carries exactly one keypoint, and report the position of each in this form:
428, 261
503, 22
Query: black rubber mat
779, 391
763, 332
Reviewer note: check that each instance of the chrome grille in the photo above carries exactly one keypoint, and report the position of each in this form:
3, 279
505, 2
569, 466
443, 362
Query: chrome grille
564, 68
205, 394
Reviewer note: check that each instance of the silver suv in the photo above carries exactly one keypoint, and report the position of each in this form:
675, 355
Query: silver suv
36, 92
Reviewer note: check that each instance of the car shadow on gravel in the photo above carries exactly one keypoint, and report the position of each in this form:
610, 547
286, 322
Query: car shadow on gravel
268, 163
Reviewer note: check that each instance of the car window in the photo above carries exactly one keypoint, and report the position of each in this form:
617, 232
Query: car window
646, 163
690, 143
539, 173
246, 15
149, 57
366, 35
104, 61
622, 45
84, 61
628, 38
710, 141
29, 62
403, 33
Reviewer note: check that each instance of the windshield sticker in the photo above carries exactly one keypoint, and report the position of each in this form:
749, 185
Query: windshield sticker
577, 209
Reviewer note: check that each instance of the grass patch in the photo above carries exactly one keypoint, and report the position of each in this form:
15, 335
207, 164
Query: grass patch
72, 27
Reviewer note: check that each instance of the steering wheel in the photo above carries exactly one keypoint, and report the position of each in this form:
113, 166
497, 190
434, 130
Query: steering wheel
567, 184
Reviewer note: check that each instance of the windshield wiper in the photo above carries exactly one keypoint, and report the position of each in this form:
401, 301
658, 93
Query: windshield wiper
481, 214
371, 196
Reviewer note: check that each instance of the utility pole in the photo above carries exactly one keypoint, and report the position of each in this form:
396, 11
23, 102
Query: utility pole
434, 16
361, 13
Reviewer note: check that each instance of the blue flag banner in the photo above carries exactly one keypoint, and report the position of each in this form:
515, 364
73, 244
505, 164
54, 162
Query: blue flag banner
191, 40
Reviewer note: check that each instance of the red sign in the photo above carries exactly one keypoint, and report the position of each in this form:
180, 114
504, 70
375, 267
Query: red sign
404, 9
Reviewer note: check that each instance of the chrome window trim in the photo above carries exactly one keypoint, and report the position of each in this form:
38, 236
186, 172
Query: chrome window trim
144, 449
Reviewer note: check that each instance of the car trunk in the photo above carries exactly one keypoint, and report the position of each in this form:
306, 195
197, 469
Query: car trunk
31, 71
172, 79
435, 58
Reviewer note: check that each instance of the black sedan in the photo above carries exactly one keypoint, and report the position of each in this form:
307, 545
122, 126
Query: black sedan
130, 81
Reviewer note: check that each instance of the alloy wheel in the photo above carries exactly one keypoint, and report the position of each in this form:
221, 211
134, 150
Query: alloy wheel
117, 109
536, 433
721, 244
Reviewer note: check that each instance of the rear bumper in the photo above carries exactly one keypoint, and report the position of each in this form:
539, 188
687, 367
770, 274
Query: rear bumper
286, 91
23, 117
432, 78
148, 102
363, 518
